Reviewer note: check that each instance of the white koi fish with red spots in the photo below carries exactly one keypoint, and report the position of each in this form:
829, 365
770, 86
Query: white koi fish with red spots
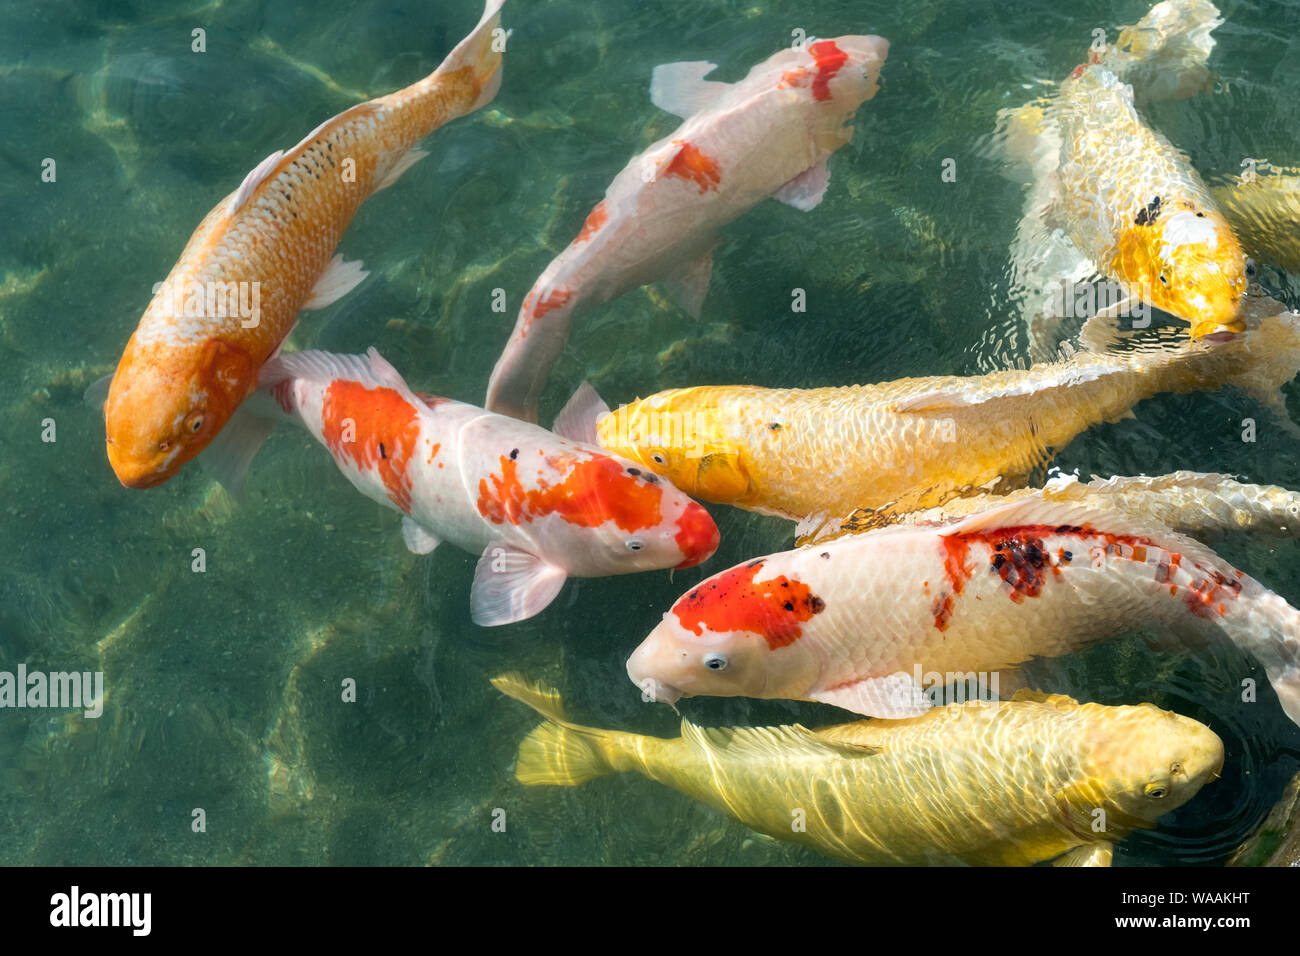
851, 621
538, 507
768, 135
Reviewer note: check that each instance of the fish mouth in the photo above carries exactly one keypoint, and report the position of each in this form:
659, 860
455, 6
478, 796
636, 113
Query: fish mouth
132, 475
653, 688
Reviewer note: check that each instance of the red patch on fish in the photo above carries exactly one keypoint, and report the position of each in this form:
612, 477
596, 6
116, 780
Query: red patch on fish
1019, 557
595, 490
1078, 71
594, 222
556, 299
695, 166
1203, 597
733, 601
697, 535
830, 59
373, 428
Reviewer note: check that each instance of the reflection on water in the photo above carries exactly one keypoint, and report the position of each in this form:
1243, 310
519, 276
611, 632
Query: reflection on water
225, 688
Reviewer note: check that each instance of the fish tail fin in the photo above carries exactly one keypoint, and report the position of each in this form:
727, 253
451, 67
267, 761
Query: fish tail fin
536, 342
481, 51
1164, 56
558, 753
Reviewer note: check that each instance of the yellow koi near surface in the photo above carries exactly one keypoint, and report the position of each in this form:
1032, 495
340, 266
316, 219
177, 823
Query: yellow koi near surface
1010, 784
914, 443
268, 246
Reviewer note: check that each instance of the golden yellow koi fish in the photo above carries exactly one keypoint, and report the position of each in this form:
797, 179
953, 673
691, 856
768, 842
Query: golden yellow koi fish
1009, 784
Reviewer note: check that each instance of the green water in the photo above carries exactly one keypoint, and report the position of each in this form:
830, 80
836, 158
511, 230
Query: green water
224, 687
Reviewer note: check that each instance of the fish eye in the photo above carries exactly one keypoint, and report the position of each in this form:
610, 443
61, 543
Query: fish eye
658, 459
1164, 280
634, 544
196, 424
1155, 791
715, 662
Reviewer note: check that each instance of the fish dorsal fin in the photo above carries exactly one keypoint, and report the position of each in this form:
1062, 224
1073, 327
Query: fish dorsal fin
254, 179
545, 700
1035, 510
1032, 511
577, 419
371, 370
262, 171
943, 398
680, 88
793, 741
1060, 701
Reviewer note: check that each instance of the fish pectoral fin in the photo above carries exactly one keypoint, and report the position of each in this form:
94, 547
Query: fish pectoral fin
577, 419
807, 189
419, 539
688, 287
511, 585
894, 696
404, 162
815, 527
1090, 854
680, 88
254, 179
338, 279
232, 450
96, 393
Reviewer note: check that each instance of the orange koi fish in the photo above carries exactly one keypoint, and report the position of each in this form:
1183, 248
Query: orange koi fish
269, 246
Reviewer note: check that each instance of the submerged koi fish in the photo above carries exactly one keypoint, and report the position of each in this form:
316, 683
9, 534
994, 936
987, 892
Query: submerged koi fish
768, 135
1007, 785
1111, 196
852, 622
1186, 501
821, 453
537, 506
1264, 209
193, 359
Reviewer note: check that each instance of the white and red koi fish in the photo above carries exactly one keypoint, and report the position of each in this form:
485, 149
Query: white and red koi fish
850, 622
768, 135
537, 506
266, 250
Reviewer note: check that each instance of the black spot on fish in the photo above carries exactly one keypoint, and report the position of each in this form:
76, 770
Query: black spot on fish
754, 564
514, 453
774, 426
788, 606
382, 454
825, 554
1148, 215
636, 472
816, 604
